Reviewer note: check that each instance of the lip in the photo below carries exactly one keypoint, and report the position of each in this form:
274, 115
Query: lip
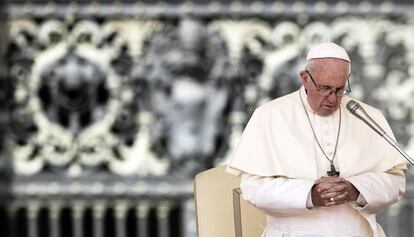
329, 106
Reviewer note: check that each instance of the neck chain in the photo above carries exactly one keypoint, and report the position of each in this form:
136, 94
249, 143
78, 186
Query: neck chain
332, 172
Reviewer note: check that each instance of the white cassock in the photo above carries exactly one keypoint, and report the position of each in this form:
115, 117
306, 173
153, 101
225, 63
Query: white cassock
279, 159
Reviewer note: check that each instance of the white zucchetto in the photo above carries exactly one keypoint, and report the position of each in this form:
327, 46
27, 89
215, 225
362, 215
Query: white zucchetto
327, 50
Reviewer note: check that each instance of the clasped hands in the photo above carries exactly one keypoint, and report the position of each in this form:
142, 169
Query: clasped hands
330, 191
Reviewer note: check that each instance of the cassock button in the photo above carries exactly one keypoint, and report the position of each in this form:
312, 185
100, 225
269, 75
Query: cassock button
325, 132
330, 153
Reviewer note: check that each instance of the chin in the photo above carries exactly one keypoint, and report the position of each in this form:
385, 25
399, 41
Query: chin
326, 112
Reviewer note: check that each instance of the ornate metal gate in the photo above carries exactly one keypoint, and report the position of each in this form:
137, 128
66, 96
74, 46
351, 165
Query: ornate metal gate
110, 108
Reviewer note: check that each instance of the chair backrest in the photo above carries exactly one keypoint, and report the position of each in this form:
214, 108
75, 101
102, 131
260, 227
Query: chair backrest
218, 205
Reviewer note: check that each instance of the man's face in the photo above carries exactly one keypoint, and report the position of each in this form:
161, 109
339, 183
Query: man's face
328, 74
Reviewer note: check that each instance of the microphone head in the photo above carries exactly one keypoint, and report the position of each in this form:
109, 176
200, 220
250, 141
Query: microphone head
353, 106
356, 109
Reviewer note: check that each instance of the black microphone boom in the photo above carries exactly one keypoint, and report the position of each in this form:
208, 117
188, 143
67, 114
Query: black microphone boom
356, 109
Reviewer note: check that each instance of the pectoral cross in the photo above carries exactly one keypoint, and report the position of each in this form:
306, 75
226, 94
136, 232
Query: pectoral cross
333, 171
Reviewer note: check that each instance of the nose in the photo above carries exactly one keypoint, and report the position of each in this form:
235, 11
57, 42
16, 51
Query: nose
333, 97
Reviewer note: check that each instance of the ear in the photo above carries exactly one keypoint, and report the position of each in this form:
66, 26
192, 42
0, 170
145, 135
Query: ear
304, 78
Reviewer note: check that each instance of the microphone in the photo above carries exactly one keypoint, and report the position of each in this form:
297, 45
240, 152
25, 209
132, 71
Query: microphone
356, 109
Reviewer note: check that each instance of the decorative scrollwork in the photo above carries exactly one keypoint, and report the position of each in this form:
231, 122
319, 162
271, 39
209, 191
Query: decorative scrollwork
137, 97
74, 98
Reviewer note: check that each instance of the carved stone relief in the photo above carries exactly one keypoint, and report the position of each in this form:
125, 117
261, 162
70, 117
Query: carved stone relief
153, 97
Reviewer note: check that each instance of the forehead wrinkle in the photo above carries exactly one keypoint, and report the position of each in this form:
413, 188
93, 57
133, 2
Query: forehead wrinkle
318, 65
326, 67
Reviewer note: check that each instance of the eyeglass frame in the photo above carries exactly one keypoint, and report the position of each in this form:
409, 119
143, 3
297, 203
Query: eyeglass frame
345, 91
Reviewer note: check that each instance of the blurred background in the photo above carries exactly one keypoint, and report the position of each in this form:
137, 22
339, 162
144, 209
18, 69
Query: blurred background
109, 108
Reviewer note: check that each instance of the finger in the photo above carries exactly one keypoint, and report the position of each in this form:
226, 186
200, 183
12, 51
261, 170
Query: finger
332, 184
334, 179
337, 200
320, 180
323, 188
342, 197
317, 200
336, 188
326, 186
323, 179
329, 195
329, 179
335, 195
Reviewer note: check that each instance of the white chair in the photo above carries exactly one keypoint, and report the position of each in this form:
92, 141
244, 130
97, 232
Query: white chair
220, 210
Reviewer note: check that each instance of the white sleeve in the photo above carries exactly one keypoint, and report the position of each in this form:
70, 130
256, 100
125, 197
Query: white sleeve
360, 203
379, 190
280, 196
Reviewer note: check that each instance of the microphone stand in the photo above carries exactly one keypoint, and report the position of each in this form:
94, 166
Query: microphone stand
397, 146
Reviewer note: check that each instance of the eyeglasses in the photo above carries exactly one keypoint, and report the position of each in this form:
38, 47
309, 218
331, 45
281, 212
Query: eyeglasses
327, 92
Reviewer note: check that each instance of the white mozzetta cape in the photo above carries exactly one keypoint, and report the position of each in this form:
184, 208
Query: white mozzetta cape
278, 141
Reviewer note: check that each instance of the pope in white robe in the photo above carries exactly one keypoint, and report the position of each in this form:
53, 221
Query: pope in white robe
290, 143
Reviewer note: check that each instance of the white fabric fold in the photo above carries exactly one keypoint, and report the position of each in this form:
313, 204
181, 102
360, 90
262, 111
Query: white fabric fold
281, 196
278, 151
278, 141
368, 184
